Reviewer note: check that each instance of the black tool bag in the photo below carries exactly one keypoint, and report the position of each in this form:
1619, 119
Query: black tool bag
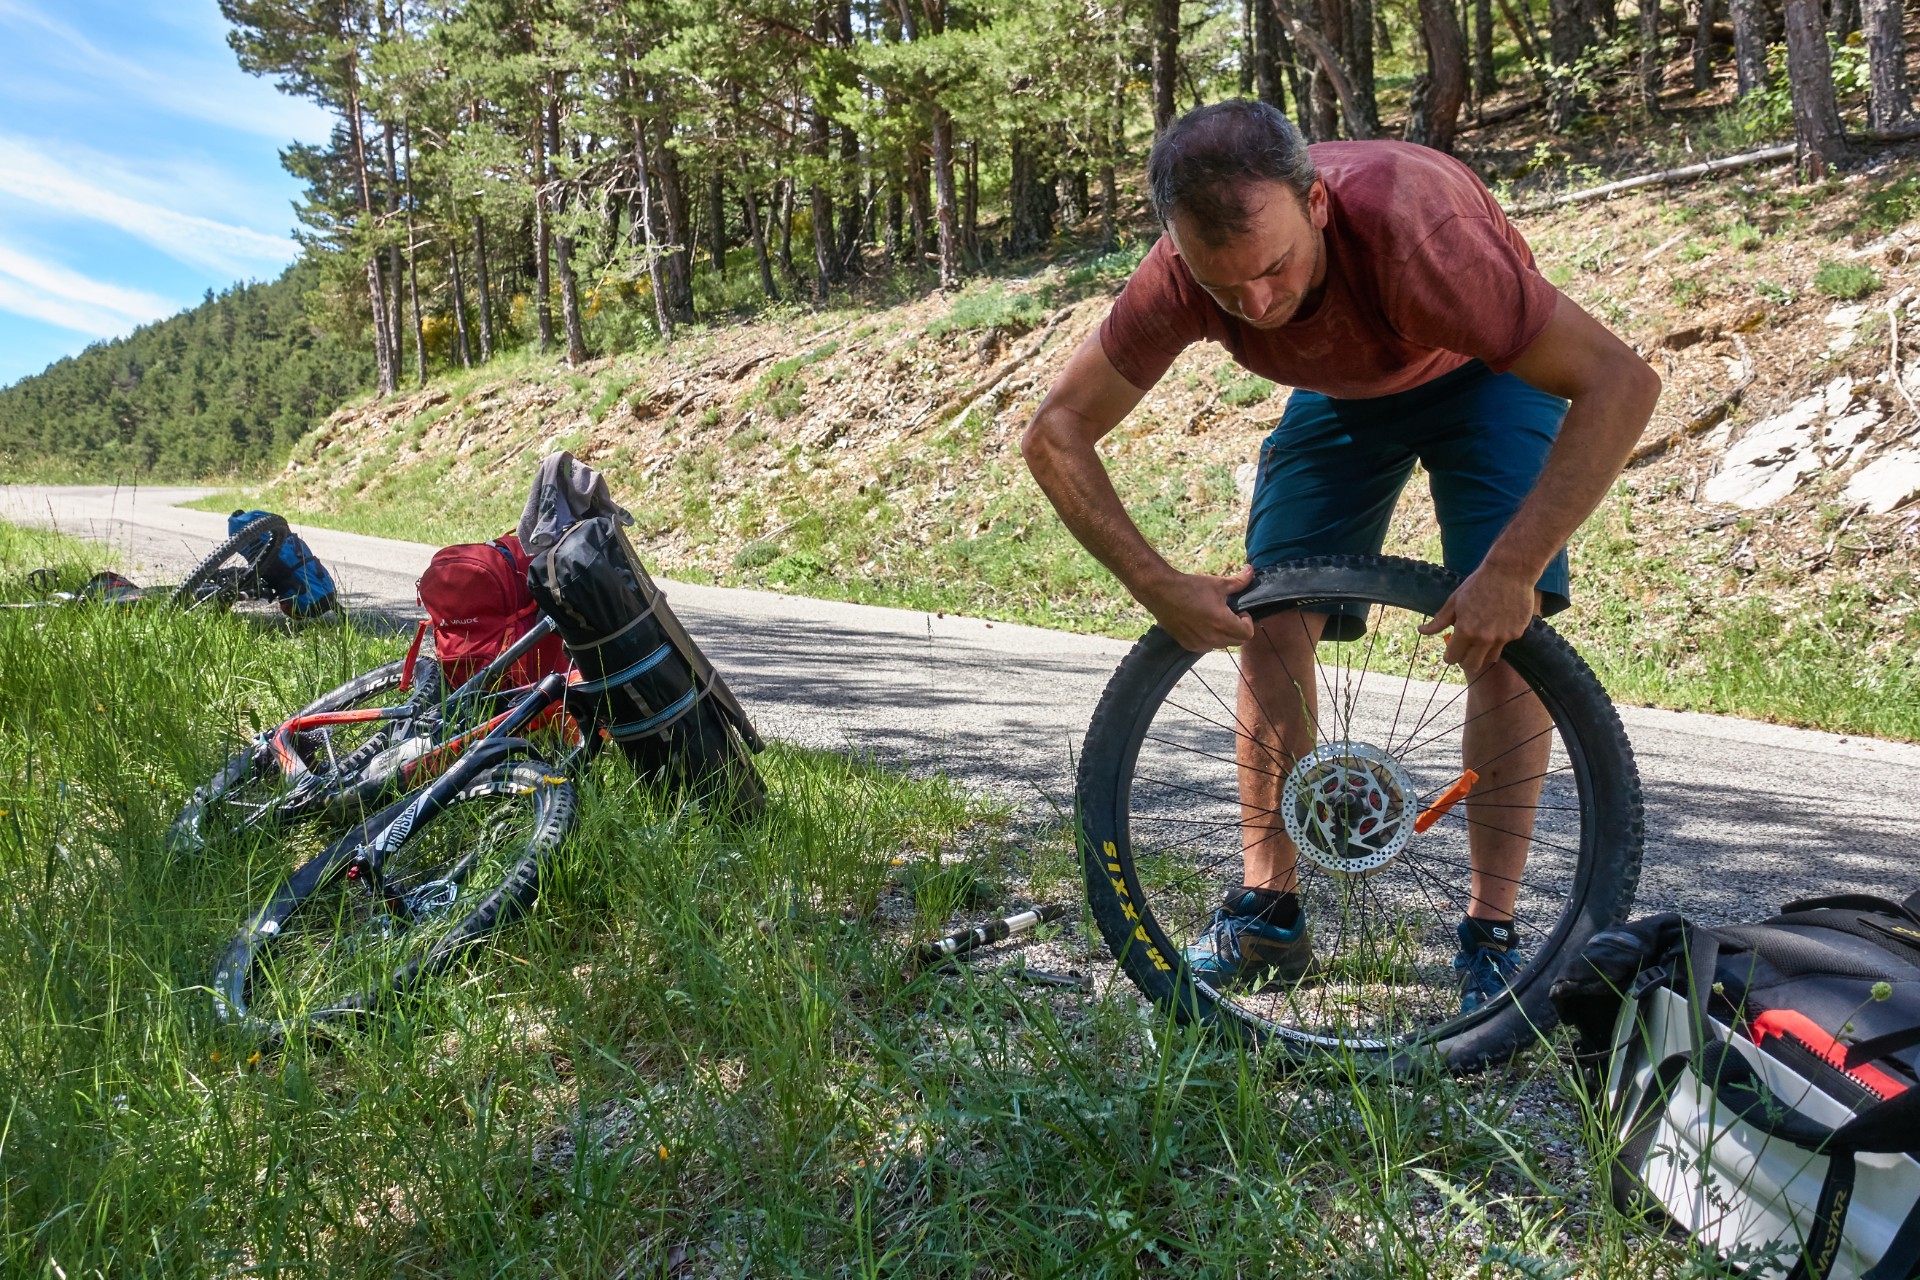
1762, 1081
652, 689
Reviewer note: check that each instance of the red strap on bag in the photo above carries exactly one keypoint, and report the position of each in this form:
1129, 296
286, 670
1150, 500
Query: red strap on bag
1798, 1026
413, 657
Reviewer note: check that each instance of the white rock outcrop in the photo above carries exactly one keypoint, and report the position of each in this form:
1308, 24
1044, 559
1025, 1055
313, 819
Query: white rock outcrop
1886, 483
1769, 462
1777, 454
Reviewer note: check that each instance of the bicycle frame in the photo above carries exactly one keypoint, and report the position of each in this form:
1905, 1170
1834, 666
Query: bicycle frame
315, 791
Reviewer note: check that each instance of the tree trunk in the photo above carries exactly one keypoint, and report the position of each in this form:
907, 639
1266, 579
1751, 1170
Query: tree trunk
1109, 210
1166, 59
484, 286
970, 205
946, 209
1749, 43
757, 232
786, 230
563, 248
398, 356
852, 214
542, 236
1248, 9
457, 292
1523, 33
1485, 82
648, 226
1889, 104
1816, 118
918, 215
1433, 121
1267, 83
717, 222
1652, 65
1031, 200
569, 300
1567, 40
1703, 47
1329, 66
1297, 83
677, 236
356, 132
1842, 17
1359, 57
895, 220
413, 263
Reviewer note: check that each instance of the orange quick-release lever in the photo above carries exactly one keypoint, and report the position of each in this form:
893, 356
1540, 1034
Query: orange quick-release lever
1452, 796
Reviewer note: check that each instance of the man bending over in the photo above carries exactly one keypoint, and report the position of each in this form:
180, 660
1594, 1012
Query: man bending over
1383, 283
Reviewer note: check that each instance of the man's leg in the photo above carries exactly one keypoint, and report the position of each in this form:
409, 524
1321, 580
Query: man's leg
1278, 715
1507, 742
1320, 491
1483, 450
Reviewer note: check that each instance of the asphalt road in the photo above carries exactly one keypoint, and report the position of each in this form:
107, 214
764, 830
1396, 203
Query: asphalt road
1741, 816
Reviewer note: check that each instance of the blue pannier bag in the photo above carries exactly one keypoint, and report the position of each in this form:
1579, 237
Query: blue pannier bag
290, 572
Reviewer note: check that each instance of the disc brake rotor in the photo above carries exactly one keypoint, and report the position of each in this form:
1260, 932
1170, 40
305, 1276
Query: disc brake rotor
1349, 807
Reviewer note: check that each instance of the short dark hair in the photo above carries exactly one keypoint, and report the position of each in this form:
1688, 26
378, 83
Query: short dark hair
1206, 161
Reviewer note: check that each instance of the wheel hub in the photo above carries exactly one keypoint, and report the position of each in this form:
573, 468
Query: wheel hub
1349, 807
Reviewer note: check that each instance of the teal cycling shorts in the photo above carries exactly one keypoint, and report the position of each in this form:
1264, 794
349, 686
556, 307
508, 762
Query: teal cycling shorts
1332, 470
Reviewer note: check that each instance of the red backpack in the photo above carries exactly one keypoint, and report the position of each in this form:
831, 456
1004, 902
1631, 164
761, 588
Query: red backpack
476, 598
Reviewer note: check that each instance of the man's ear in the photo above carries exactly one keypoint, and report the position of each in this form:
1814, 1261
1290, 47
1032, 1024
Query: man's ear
1317, 204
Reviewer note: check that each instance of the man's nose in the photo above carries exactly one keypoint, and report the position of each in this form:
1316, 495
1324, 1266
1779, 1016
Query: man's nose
1255, 299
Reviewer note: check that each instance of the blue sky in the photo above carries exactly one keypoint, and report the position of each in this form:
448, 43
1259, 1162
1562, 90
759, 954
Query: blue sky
139, 167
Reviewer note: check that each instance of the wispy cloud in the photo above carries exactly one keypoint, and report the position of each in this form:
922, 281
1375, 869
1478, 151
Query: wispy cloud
196, 89
35, 176
52, 294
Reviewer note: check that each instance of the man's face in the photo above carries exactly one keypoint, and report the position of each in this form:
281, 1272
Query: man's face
1263, 274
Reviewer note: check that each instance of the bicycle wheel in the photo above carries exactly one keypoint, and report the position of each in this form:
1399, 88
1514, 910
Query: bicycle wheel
339, 937
242, 794
1180, 780
232, 568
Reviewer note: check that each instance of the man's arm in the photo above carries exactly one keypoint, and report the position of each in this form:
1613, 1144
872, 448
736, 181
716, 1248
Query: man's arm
1612, 393
1089, 400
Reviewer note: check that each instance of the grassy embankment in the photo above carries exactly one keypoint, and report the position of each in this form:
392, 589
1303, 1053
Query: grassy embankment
644, 1080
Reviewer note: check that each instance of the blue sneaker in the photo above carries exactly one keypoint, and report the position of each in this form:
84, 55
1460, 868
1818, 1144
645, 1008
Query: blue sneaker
1486, 969
1239, 948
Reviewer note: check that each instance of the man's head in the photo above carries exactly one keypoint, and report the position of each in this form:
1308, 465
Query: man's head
1235, 188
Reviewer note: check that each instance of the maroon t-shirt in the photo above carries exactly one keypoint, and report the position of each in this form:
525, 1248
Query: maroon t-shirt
1424, 273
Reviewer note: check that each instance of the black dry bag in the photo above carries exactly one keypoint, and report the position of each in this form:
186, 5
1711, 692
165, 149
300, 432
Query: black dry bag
656, 694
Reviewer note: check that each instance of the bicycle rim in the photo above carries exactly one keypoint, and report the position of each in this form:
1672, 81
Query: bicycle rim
346, 937
1376, 795
246, 792
231, 570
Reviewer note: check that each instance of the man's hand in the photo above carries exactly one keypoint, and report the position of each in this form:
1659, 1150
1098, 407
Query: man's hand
1492, 608
1193, 609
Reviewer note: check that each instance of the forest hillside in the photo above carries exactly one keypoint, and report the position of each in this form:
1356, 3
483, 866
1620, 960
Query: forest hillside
231, 383
872, 454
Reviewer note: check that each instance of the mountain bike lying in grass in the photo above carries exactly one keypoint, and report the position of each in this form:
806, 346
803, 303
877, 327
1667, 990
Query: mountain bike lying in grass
261, 560
348, 750
413, 885
1380, 810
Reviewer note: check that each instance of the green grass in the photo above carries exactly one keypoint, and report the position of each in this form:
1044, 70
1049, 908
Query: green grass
1847, 281
992, 307
1676, 626
701, 1055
